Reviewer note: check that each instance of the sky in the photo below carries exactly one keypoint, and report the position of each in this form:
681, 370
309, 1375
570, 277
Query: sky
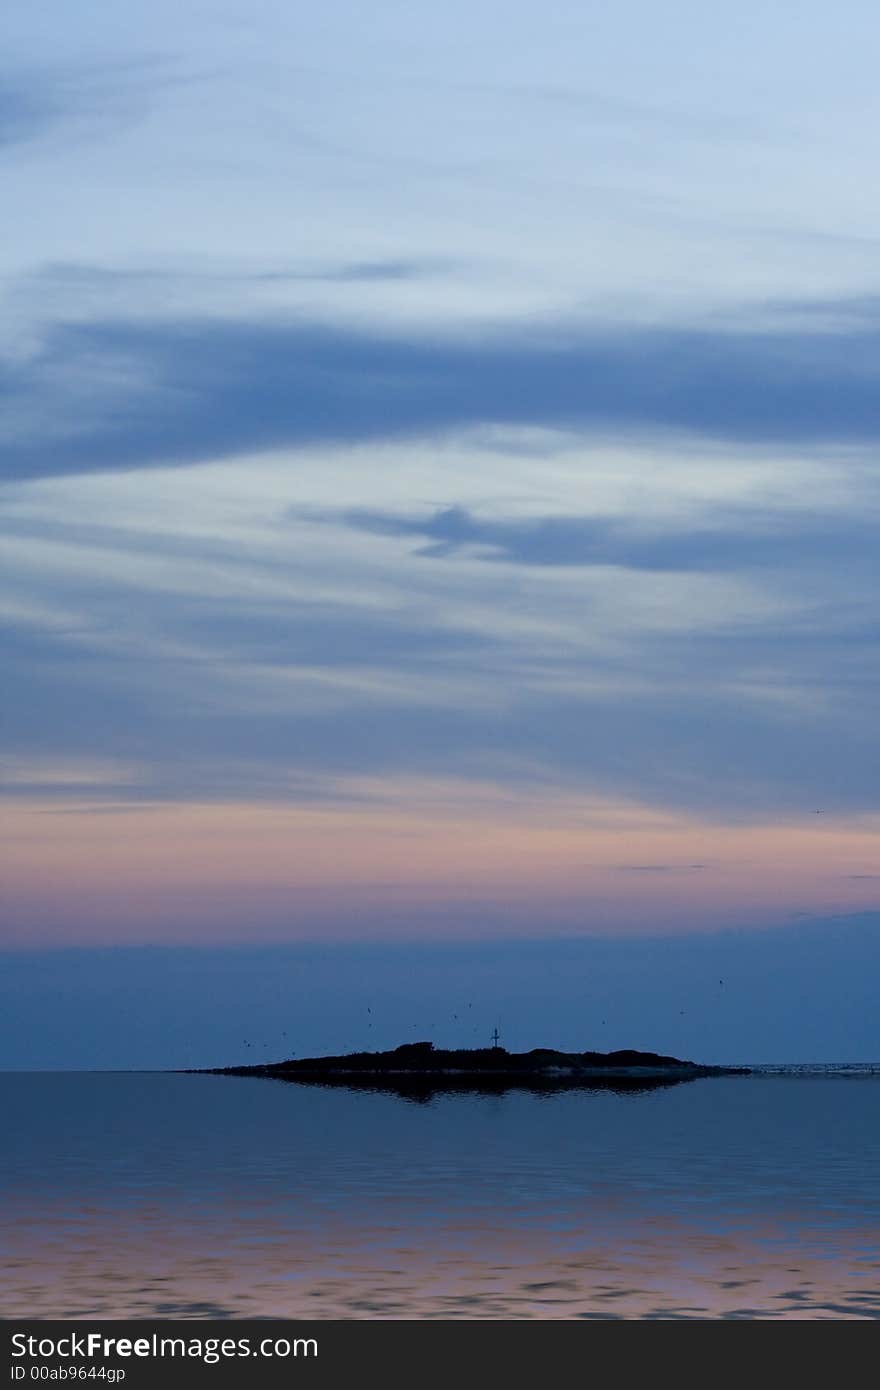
438, 497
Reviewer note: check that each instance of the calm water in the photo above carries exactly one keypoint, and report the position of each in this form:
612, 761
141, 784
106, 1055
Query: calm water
196, 1196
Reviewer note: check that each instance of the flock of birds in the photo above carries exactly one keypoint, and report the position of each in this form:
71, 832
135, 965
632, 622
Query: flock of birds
416, 1026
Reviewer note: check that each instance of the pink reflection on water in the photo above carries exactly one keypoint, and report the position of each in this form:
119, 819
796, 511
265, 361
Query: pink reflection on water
192, 1260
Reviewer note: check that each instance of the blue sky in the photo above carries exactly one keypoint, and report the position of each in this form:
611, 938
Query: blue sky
803, 993
438, 475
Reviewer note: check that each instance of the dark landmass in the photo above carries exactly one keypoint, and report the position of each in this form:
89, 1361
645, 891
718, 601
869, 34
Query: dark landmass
419, 1070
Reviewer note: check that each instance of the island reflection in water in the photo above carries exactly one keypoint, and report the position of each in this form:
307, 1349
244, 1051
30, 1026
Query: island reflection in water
423, 1087
208, 1196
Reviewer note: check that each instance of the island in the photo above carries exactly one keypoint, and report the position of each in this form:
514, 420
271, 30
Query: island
419, 1069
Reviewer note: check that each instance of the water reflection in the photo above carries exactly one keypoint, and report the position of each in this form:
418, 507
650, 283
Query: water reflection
194, 1197
426, 1086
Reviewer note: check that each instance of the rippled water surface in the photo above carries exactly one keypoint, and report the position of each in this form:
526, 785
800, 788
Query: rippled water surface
208, 1196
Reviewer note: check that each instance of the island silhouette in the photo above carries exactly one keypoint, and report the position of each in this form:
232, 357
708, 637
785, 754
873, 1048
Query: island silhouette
417, 1070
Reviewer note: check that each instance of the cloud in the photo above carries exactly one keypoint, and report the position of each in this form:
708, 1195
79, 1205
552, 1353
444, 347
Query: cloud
93, 283
133, 394
657, 868
358, 272
226, 631
737, 540
87, 98
215, 713
24, 114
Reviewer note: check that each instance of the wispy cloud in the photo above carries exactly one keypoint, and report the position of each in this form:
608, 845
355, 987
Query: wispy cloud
658, 868
82, 100
692, 631
126, 395
739, 540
